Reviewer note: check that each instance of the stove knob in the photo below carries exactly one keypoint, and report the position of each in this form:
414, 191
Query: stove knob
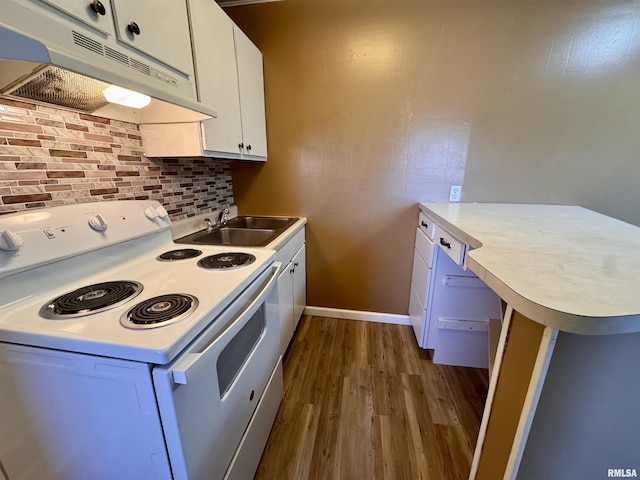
10, 241
150, 213
162, 212
97, 222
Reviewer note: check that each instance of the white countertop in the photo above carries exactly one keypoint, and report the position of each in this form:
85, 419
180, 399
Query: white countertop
277, 243
563, 266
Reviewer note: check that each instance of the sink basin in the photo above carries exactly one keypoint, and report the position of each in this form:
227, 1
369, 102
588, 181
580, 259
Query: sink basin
272, 223
231, 236
243, 231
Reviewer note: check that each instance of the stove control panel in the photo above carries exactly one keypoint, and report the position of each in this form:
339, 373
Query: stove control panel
10, 241
150, 213
35, 237
98, 223
153, 213
162, 212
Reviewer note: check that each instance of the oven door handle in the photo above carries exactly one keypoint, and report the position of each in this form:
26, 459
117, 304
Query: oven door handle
190, 361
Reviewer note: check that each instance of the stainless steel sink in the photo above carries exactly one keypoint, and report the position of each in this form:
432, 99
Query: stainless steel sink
242, 231
273, 223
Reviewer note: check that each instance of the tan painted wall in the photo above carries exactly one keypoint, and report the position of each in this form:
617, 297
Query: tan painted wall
563, 123
373, 106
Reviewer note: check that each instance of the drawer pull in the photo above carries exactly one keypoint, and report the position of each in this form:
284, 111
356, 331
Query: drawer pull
424, 224
97, 7
444, 243
133, 28
463, 324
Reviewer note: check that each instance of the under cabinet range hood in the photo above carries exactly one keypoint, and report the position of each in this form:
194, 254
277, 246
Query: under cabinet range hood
50, 57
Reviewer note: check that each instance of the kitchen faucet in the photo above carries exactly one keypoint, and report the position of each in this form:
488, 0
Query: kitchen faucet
223, 217
221, 221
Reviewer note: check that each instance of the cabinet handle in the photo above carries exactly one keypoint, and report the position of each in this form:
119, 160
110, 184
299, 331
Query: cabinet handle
248, 148
424, 224
295, 264
241, 146
444, 244
251, 395
292, 271
97, 7
133, 28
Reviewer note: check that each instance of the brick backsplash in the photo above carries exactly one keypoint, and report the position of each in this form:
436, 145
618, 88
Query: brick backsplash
51, 156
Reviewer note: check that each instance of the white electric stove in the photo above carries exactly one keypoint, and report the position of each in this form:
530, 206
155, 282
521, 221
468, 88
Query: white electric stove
124, 355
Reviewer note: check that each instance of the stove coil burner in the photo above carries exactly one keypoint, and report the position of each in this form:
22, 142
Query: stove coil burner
159, 311
181, 254
90, 299
226, 260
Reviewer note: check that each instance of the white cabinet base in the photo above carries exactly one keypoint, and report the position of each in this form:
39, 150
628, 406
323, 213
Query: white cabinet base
449, 307
292, 286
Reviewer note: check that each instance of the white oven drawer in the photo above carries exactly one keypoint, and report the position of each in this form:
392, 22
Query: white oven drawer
427, 225
450, 244
247, 458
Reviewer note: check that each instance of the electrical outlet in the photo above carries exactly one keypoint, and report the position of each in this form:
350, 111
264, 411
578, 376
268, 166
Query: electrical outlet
454, 193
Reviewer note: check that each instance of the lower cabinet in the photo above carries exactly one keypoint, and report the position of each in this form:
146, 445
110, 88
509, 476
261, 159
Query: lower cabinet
292, 287
449, 306
423, 258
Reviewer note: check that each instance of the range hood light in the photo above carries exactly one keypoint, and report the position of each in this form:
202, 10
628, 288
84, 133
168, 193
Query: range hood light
128, 98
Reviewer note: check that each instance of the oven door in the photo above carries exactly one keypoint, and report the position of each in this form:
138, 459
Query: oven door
209, 393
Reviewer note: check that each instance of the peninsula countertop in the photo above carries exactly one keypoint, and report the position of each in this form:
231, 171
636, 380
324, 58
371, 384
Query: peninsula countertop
562, 266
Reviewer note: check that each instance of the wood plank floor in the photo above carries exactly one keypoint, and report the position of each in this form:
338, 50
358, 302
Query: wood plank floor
362, 401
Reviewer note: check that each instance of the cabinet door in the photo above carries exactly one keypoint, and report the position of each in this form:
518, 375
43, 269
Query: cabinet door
285, 301
81, 10
251, 84
421, 277
217, 77
299, 285
164, 30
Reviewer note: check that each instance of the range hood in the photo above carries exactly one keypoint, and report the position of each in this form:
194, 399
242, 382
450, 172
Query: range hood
57, 62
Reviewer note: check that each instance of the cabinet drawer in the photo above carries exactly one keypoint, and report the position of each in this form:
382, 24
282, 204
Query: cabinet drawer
286, 252
418, 316
450, 244
425, 247
426, 225
420, 277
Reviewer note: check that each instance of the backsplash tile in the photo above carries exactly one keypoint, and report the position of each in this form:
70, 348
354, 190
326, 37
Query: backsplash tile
51, 157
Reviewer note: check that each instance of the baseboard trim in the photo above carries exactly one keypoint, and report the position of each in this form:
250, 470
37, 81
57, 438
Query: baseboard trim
358, 315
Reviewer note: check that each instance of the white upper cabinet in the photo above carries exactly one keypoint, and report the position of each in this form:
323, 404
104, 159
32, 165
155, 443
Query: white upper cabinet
229, 77
217, 77
251, 85
158, 28
95, 13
